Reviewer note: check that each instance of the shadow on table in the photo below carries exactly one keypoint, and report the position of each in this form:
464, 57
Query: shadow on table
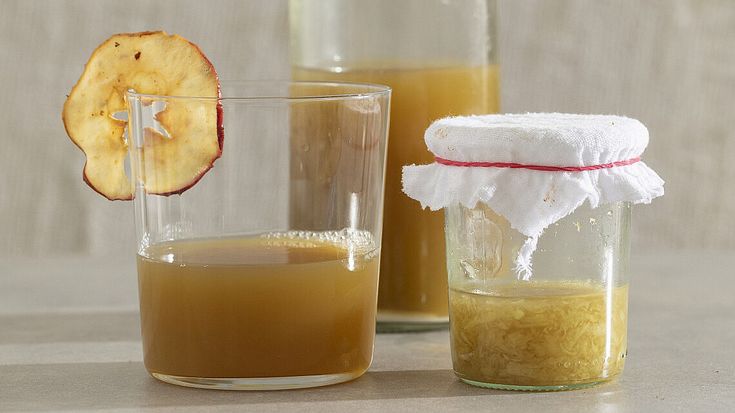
121, 385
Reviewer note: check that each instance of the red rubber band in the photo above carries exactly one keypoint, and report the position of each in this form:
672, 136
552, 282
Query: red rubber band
536, 167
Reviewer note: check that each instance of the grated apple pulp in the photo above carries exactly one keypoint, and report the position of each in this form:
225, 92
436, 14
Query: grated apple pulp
539, 333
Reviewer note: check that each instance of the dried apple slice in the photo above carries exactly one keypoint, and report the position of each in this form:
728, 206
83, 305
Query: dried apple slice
153, 63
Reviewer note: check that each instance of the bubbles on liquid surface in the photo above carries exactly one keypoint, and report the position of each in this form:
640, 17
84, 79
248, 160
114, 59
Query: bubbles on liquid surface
357, 241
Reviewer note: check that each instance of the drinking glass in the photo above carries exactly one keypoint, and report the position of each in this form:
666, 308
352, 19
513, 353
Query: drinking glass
246, 280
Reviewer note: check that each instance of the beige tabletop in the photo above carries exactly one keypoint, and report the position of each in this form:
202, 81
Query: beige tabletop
70, 341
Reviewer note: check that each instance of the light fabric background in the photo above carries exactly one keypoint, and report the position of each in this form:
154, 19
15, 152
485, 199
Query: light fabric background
669, 63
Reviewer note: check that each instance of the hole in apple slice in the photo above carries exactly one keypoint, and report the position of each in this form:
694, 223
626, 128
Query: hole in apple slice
120, 115
149, 119
158, 107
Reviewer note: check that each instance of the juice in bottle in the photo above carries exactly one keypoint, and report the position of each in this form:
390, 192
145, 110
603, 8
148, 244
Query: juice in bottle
254, 307
413, 277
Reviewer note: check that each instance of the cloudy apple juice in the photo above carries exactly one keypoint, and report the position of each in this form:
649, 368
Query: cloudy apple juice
257, 307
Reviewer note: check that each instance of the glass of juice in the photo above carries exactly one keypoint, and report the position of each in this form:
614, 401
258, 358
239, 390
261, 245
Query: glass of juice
439, 58
247, 280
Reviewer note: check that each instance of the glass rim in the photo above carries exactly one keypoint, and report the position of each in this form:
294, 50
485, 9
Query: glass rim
371, 90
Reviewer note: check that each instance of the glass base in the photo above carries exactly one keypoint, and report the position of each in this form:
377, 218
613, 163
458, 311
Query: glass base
260, 383
407, 322
409, 326
574, 386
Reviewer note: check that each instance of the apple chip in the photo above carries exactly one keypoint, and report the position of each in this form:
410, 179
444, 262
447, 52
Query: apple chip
151, 63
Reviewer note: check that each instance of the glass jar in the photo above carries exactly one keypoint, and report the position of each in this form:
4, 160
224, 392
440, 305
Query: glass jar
565, 327
439, 57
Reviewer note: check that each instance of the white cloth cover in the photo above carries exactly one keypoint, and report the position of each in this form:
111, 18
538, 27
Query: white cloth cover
532, 200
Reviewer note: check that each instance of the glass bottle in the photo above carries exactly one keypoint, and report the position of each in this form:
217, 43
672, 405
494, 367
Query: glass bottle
439, 57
